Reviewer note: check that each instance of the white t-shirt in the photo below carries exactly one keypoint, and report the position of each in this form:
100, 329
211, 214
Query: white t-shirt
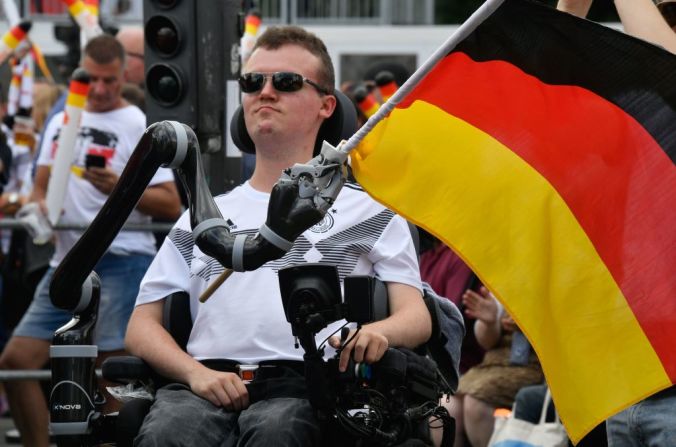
22, 159
113, 135
244, 319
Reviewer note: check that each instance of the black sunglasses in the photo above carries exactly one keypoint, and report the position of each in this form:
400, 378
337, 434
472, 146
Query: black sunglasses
282, 81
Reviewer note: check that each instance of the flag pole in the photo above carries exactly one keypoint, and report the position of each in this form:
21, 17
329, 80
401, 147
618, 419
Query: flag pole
459, 35
11, 12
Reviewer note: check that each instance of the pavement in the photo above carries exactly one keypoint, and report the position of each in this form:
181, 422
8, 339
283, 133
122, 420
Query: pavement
5, 425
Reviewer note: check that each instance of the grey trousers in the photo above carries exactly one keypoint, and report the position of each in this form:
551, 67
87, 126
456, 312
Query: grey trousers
180, 418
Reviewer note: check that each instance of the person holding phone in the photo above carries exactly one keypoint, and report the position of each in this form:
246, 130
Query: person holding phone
109, 130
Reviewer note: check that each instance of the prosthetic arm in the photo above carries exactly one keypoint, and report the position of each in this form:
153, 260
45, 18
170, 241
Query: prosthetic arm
299, 200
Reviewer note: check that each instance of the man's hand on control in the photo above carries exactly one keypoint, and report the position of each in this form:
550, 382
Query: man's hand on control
367, 346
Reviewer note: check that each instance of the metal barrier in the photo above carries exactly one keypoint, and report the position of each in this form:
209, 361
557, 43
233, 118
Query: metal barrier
42, 375
156, 227
16, 224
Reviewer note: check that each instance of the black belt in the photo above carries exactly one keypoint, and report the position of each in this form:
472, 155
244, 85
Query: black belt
271, 378
267, 368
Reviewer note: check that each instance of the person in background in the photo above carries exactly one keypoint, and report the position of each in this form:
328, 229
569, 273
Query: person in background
109, 130
508, 365
5, 164
26, 262
131, 38
640, 18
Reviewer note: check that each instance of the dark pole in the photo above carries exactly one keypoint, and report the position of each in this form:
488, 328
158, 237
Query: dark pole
218, 35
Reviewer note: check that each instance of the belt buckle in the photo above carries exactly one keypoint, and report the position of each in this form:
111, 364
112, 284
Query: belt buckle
247, 372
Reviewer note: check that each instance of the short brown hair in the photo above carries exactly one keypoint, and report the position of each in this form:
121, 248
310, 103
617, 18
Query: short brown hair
104, 49
278, 36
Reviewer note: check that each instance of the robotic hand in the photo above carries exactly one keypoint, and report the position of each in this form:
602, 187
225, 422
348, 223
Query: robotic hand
299, 200
303, 195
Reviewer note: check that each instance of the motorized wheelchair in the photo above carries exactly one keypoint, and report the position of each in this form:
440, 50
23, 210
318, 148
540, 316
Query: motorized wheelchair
76, 418
392, 390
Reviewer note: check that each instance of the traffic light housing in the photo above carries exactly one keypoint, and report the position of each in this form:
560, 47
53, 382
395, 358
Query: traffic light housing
69, 34
171, 61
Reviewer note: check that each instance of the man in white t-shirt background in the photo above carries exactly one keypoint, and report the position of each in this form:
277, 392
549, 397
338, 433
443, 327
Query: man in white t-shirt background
109, 130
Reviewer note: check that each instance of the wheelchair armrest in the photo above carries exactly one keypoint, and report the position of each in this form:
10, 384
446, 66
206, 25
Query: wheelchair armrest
124, 369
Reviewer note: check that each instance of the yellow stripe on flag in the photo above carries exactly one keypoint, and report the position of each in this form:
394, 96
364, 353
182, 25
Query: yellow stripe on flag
76, 100
76, 8
509, 223
93, 8
10, 40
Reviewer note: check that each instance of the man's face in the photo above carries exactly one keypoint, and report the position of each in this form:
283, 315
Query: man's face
285, 118
105, 85
134, 72
132, 42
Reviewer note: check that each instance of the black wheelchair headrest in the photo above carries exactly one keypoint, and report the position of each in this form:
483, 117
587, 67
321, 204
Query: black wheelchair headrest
339, 126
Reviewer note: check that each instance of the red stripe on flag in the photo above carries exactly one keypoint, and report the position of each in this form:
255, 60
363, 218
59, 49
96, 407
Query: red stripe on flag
616, 179
79, 88
253, 20
18, 33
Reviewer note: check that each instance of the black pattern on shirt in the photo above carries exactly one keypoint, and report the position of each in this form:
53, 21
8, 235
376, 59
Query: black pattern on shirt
342, 249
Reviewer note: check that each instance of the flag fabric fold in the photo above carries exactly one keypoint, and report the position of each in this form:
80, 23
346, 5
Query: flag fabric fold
541, 149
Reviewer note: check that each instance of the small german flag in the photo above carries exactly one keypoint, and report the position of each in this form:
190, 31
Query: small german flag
75, 7
366, 101
92, 6
541, 149
252, 23
86, 16
12, 38
386, 85
16, 80
79, 87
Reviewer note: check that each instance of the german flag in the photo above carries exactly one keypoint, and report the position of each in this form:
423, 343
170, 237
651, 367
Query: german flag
85, 13
366, 102
541, 149
77, 93
92, 6
75, 7
252, 23
13, 37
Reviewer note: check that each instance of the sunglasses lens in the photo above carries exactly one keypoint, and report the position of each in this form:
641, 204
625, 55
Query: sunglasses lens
287, 82
251, 82
282, 81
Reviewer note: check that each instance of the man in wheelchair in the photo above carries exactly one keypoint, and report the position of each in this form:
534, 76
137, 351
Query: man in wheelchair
241, 332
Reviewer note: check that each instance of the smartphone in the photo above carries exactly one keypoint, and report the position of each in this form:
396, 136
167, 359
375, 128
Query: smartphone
94, 160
